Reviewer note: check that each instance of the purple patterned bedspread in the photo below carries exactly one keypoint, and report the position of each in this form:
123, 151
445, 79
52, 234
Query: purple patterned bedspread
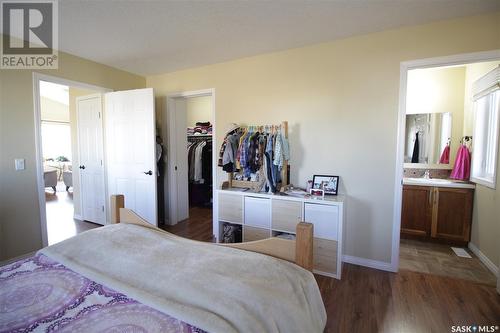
40, 295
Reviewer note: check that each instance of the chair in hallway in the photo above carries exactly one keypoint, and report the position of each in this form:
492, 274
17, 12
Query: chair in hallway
50, 179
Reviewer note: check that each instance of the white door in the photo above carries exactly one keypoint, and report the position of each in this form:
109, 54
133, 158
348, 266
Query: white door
90, 151
130, 150
177, 161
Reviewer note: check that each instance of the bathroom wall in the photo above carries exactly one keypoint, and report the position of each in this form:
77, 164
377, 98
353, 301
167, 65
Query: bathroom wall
486, 212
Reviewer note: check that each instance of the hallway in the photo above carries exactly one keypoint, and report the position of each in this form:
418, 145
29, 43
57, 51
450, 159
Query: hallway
60, 222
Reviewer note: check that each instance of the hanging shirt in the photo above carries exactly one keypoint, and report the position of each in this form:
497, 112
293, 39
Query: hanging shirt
254, 153
206, 158
281, 151
198, 162
221, 152
238, 152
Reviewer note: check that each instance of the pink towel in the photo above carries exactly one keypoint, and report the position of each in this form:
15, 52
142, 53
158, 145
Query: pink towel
445, 156
461, 169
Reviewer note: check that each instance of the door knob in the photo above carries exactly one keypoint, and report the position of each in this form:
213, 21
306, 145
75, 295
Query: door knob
148, 173
82, 167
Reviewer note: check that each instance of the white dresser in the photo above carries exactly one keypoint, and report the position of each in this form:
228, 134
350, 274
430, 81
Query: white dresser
262, 216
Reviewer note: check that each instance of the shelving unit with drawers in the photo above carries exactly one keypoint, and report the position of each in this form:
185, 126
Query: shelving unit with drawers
262, 216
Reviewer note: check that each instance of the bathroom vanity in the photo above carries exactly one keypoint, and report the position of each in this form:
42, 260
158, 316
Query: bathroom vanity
437, 210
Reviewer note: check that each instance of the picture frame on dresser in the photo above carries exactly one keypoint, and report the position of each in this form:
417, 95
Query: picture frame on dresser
329, 184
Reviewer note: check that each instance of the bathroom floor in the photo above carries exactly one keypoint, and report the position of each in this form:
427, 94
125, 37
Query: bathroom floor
439, 259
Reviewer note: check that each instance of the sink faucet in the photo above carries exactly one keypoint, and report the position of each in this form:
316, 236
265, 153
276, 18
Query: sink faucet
427, 174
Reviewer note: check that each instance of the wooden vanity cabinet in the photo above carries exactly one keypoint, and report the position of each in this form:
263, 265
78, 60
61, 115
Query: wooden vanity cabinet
437, 213
416, 212
453, 214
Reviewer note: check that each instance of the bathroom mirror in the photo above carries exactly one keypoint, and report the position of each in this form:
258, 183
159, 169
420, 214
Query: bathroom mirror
428, 138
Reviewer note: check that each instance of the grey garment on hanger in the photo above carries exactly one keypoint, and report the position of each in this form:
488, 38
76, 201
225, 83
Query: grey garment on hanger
229, 155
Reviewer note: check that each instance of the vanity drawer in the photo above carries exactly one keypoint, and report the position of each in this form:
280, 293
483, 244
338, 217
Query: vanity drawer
325, 255
253, 234
231, 208
286, 215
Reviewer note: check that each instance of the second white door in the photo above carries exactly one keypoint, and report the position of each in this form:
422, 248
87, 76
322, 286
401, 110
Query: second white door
91, 164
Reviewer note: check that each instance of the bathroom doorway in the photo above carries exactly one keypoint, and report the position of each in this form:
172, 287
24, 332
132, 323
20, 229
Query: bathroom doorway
441, 214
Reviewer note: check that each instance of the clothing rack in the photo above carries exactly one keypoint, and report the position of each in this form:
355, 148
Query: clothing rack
257, 185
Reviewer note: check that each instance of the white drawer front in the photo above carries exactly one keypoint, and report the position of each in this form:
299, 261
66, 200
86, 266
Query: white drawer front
258, 212
325, 219
286, 214
230, 208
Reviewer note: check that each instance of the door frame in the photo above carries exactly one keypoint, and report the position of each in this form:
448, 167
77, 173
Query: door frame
37, 77
168, 127
405, 66
78, 140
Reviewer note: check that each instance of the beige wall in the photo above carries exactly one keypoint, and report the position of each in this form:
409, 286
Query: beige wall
198, 109
53, 111
486, 212
19, 209
341, 101
438, 90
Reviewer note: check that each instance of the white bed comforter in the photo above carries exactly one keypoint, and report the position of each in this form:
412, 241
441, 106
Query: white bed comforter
215, 288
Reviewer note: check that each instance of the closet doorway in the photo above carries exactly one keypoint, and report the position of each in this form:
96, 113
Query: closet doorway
189, 129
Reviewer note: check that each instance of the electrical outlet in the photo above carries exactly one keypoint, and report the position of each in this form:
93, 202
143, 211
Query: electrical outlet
19, 164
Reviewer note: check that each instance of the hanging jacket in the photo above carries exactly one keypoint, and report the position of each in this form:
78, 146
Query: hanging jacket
416, 150
253, 153
229, 155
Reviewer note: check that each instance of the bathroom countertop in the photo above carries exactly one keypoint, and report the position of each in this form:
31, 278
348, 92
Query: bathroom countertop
438, 182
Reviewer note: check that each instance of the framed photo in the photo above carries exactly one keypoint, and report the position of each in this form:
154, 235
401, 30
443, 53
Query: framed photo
317, 193
329, 184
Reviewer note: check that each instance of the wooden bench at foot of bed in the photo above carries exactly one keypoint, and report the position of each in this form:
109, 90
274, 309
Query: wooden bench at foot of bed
298, 251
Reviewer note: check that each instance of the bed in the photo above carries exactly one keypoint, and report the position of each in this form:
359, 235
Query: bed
133, 277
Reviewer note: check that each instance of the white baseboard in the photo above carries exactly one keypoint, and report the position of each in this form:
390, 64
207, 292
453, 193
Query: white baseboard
484, 259
382, 265
77, 217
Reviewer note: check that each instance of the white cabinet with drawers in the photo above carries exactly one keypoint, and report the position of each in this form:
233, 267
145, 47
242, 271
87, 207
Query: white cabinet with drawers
263, 215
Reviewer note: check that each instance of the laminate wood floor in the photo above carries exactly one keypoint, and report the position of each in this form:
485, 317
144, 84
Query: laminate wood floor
368, 300
439, 259
60, 222
198, 226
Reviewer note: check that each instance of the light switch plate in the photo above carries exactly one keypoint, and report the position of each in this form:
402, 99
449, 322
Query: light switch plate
19, 164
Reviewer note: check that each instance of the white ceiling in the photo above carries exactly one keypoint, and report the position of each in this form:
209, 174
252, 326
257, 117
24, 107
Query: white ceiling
152, 37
